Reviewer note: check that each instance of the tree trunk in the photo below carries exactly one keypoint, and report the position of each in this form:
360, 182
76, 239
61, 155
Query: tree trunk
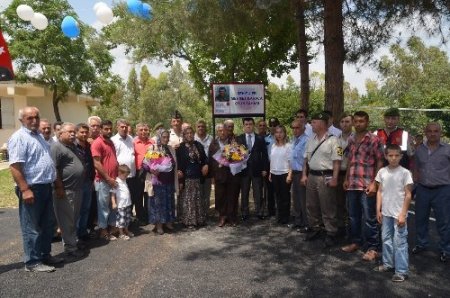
55, 101
302, 48
334, 57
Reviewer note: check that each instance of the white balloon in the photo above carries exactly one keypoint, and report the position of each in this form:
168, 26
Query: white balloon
104, 14
39, 21
25, 12
98, 5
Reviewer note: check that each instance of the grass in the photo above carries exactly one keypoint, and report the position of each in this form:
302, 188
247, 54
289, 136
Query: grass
7, 196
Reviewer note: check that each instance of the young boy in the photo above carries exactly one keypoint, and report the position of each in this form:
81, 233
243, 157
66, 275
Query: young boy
393, 199
120, 199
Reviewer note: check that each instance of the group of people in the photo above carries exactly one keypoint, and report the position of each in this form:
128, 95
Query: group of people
338, 180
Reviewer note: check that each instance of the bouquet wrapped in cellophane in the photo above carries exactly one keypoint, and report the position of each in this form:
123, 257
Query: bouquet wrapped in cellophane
234, 156
157, 160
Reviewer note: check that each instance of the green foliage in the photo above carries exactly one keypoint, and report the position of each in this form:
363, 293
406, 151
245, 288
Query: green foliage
416, 77
48, 57
222, 43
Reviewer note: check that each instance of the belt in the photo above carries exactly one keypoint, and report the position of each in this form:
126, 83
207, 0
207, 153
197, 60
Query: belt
321, 173
342, 173
295, 172
432, 187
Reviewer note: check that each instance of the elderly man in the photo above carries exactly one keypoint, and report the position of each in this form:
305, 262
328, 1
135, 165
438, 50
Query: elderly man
320, 175
68, 193
176, 132
432, 173
94, 128
45, 128
141, 144
33, 171
106, 165
298, 190
205, 139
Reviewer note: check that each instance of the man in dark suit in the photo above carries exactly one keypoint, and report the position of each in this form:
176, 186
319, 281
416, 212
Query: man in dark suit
257, 168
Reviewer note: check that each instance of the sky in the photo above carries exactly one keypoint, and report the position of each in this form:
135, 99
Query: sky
356, 75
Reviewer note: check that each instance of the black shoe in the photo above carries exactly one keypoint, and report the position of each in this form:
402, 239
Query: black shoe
312, 234
51, 260
329, 241
418, 249
245, 217
443, 257
293, 226
303, 230
261, 217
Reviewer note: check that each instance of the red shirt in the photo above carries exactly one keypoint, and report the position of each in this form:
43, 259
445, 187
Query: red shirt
362, 160
140, 148
104, 148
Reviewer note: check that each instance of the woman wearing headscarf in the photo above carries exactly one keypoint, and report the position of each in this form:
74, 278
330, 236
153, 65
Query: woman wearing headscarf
162, 204
192, 169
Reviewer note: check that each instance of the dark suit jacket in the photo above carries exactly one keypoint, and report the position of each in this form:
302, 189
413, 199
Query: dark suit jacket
219, 173
258, 160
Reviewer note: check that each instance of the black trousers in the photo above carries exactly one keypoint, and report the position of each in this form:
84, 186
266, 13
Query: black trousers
283, 193
139, 200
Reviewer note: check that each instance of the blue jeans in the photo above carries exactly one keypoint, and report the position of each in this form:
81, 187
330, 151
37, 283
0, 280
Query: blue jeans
395, 245
439, 200
104, 216
362, 207
85, 209
37, 221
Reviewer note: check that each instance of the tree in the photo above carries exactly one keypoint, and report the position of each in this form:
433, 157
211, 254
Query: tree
416, 77
48, 57
223, 41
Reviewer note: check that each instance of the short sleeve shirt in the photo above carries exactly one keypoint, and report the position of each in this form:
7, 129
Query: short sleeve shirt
69, 165
125, 152
123, 197
140, 148
32, 151
105, 150
393, 182
174, 139
324, 156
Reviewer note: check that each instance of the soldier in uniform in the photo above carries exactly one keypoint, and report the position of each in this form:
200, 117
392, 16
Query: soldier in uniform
323, 157
176, 136
392, 134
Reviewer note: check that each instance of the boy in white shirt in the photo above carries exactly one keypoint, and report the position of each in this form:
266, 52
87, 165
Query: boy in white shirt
393, 199
121, 199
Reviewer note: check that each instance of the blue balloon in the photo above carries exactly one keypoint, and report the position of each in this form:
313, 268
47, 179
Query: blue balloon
135, 7
147, 11
69, 27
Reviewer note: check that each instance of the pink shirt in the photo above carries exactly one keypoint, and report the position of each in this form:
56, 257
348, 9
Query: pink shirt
140, 148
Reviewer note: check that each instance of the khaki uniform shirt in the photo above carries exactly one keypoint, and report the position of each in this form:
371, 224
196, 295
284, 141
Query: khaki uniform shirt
323, 158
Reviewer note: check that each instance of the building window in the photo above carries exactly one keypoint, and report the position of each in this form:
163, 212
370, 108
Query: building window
7, 113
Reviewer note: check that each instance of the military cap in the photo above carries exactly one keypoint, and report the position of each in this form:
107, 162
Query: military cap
392, 112
320, 116
274, 122
176, 115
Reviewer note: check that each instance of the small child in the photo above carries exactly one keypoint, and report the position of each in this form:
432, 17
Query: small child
393, 199
121, 199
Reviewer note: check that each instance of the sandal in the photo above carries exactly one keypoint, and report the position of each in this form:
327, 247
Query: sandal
124, 237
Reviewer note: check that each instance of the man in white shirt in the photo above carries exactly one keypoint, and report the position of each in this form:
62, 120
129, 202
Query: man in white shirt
333, 130
176, 132
205, 139
124, 146
56, 129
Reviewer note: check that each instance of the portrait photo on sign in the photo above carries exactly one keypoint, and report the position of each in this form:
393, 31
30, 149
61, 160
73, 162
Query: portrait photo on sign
222, 94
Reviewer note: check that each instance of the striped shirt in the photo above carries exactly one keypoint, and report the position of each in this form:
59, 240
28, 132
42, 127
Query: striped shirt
33, 152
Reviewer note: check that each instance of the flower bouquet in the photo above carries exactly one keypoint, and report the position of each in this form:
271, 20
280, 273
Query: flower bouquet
234, 156
157, 160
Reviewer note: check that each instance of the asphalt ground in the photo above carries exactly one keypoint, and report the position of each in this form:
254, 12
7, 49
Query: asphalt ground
254, 259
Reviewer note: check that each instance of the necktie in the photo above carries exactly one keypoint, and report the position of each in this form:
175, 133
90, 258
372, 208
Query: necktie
249, 142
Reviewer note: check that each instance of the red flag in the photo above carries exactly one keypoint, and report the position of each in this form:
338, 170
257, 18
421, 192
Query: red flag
6, 70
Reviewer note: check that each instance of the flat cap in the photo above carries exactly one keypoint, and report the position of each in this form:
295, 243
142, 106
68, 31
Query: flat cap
392, 112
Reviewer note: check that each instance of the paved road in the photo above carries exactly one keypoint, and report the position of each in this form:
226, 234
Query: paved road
258, 259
